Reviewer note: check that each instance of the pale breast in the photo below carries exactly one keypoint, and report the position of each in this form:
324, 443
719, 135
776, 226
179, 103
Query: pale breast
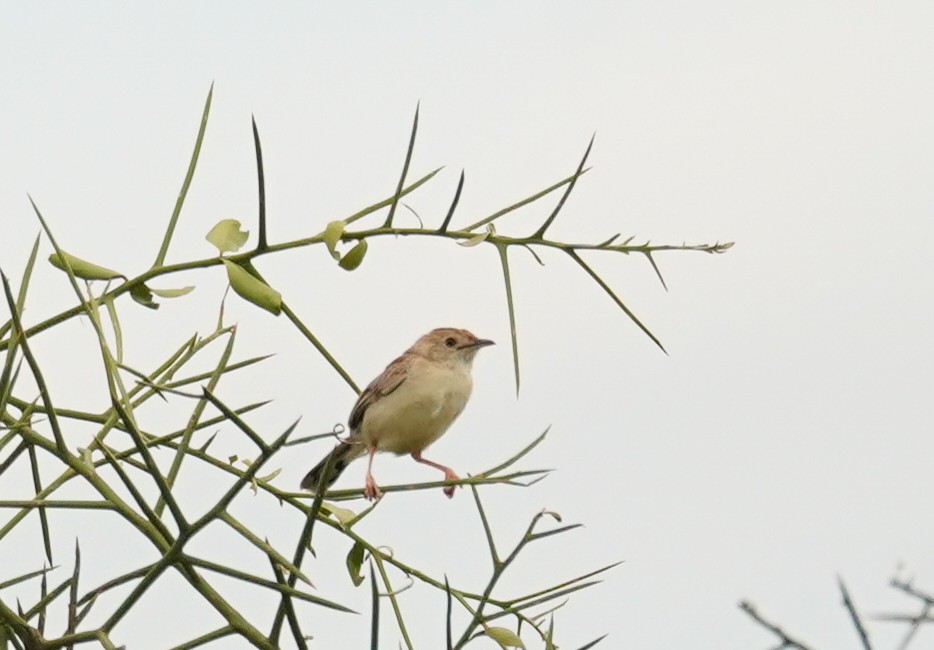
418, 412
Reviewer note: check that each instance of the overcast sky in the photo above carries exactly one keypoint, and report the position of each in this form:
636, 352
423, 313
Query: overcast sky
786, 438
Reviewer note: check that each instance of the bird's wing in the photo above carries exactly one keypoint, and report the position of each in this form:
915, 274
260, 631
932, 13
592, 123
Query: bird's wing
388, 381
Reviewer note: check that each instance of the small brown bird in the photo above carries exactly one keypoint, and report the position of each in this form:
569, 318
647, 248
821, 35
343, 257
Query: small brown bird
409, 406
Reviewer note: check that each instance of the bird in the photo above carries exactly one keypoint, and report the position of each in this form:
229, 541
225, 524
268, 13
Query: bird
406, 408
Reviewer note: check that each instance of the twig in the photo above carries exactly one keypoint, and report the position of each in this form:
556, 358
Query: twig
784, 638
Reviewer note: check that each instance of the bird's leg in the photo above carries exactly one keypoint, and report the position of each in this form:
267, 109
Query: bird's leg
449, 474
371, 490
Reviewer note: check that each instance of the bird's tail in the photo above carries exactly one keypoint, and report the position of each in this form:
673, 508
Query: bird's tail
335, 463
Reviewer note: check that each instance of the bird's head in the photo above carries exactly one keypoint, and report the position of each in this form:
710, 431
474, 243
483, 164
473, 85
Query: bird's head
450, 345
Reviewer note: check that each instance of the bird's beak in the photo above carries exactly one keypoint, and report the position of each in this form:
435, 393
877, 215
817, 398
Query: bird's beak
480, 343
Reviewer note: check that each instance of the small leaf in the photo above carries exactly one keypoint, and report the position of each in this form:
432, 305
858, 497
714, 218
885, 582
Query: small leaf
355, 562
232, 459
342, 515
83, 269
269, 477
480, 237
476, 239
332, 235
143, 295
251, 288
354, 256
227, 236
504, 637
173, 293
86, 457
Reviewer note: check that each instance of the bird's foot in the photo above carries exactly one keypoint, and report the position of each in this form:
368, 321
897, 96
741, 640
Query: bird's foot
371, 490
449, 475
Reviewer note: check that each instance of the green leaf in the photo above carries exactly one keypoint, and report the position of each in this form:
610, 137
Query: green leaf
504, 636
354, 256
143, 295
475, 240
86, 457
173, 293
269, 477
253, 289
355, 562
342, 515
332, 235
83, 269
227, 236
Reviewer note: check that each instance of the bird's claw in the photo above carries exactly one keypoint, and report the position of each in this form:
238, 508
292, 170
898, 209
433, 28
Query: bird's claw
449, 475
371, 490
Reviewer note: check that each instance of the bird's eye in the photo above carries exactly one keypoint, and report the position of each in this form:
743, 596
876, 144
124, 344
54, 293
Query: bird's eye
450, 341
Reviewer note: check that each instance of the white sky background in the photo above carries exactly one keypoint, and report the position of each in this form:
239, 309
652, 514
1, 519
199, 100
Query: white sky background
786, 438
